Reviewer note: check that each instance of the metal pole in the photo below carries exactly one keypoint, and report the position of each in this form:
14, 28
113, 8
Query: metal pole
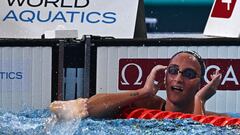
87, 67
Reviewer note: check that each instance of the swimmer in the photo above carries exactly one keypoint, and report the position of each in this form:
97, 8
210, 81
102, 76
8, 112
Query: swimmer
183, 78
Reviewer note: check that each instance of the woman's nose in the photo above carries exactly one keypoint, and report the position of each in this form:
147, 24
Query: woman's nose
179, 77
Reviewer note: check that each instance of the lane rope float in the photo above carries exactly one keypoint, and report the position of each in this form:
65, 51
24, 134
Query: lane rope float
143, 113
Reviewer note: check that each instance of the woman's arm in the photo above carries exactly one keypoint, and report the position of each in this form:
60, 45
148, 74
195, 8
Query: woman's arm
106, 105
200, 109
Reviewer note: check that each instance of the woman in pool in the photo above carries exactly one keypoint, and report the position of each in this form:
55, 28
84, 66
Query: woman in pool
183, 77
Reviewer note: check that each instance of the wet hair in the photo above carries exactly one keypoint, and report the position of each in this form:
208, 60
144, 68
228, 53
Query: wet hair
199, 59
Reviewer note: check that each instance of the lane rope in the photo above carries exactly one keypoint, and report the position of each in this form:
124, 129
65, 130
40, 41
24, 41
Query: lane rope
143, 113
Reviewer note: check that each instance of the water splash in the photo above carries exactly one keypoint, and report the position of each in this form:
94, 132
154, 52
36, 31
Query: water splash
43, 122
56, 127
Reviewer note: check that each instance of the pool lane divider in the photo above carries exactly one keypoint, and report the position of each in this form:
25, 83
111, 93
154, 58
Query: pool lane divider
143, 113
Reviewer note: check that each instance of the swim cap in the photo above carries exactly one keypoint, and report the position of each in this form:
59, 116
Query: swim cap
199, 59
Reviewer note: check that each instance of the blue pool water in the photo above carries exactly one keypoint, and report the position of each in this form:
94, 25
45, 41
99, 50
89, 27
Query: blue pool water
42, 122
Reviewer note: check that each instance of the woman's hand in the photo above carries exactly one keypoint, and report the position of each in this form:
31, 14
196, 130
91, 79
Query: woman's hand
72, 109
209, 89
151, 85
205, 93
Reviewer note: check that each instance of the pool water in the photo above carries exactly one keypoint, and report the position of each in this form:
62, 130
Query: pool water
43, 122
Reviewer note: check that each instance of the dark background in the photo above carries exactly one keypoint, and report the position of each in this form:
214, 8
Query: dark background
177, 17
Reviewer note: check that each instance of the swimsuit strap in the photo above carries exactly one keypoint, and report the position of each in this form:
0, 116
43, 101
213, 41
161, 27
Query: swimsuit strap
163, 106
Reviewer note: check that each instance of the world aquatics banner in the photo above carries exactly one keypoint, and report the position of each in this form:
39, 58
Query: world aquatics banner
32, 18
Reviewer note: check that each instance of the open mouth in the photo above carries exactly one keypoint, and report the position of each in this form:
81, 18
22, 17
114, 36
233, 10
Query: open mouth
177, 88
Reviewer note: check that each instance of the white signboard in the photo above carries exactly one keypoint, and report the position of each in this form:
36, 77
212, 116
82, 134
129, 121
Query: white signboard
32, 18
25, 77
224, 19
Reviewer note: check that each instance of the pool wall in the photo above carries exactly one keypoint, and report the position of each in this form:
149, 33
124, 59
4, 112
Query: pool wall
28, 73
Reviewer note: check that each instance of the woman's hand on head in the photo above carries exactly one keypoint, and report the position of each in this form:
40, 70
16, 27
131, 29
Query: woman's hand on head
151, 85
209, 89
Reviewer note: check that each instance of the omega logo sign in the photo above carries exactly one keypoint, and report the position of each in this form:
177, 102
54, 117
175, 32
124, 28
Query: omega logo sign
230, 75
138, 80
133, 72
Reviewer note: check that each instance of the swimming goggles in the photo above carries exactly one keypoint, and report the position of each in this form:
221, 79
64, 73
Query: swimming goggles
186, 73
